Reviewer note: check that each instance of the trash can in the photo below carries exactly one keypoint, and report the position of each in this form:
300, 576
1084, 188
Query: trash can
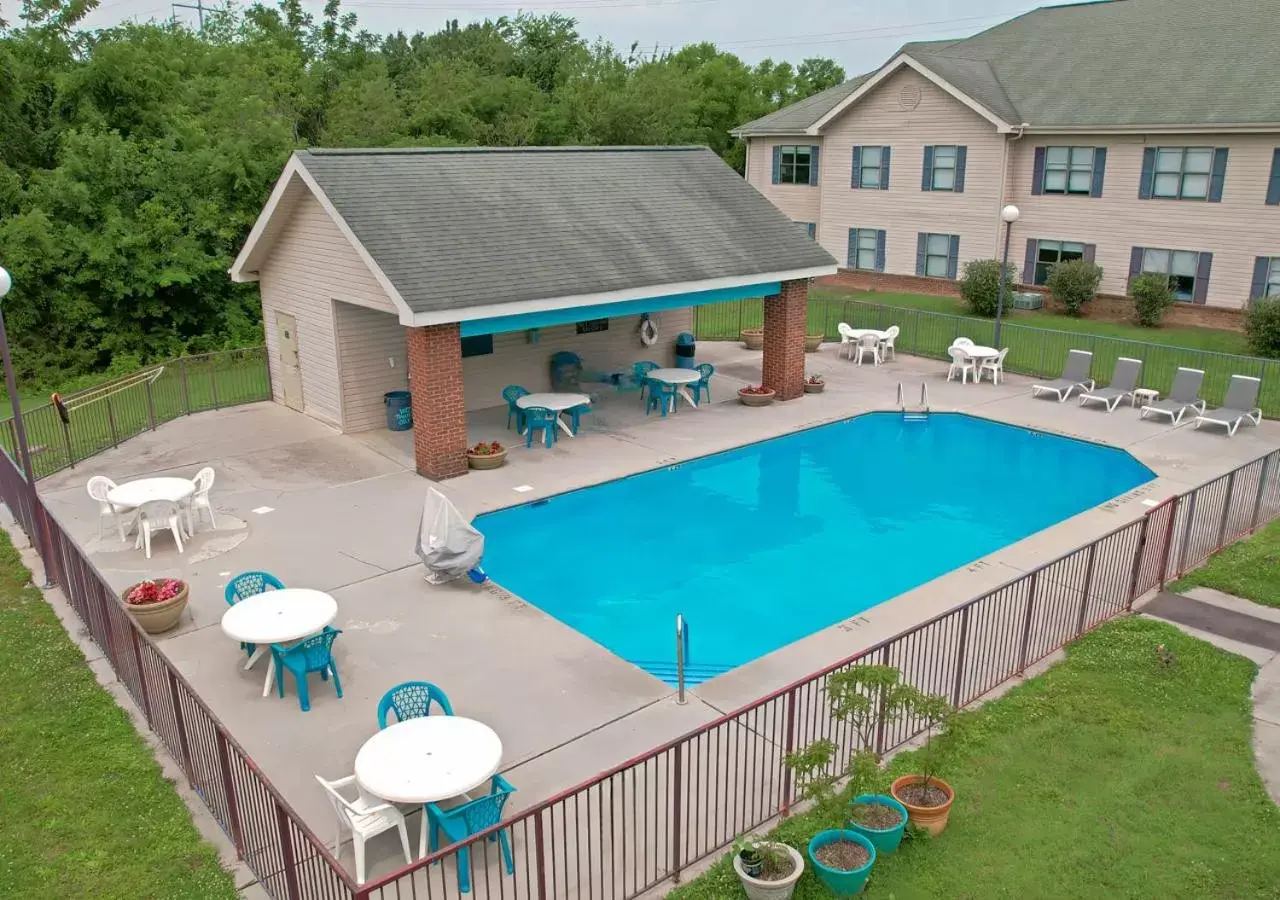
684, 350
399, 412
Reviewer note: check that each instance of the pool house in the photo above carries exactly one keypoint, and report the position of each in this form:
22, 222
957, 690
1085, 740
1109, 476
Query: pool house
452, 273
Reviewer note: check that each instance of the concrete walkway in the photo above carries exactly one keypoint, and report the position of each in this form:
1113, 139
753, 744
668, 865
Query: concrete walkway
1250, 630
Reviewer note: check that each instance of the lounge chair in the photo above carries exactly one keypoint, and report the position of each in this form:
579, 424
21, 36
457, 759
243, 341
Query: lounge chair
1184, 396
1123, 383
1240, 404
1074, 375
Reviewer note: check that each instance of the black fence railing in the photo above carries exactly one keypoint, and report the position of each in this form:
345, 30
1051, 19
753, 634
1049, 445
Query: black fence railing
1032, 351
102, 416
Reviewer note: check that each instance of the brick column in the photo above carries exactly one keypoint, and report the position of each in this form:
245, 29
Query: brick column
439, 411
785, 316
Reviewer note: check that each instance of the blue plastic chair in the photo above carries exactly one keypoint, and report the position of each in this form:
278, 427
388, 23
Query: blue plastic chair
313, 654
412, 700
661, 396
536, 417
575, 415
511, 393
640, 372
249, 584
704, 383
470, 818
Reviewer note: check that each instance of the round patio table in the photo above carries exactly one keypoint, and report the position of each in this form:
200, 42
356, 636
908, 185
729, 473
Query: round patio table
428, 759
980, 354
277, 617
679, 378
855, 334
557, 403
133, 494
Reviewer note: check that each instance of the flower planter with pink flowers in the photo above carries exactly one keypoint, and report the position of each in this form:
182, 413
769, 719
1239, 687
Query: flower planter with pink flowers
756, 395
156, 604
486, 455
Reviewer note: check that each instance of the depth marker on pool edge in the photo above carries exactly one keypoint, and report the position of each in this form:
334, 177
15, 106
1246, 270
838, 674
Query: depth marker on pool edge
522, 488
263, 510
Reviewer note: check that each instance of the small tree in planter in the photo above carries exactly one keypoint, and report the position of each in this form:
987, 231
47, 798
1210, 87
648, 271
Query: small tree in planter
927, 797
1073, 284
768, 870
1152, 298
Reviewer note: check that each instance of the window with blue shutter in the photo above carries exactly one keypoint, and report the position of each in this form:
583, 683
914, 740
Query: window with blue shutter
943, 169
1188, 270
1273, 189
937, 255
795, 164
870, 168
1069, 170
1183, 173
810, 229
1266, 277
866, 249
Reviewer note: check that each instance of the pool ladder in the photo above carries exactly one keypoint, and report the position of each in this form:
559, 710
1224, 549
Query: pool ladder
682, 655
917, 413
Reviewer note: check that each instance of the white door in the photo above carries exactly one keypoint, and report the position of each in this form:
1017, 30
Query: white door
287, 353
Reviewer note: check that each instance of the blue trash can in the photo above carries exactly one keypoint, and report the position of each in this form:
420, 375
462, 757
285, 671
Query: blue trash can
684, 350
399, 412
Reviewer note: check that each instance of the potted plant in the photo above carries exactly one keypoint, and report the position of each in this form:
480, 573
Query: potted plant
755, 395
753, 338
486, 455
927, 797
814, 384
768, 870
842, 859
813, 341
156, 604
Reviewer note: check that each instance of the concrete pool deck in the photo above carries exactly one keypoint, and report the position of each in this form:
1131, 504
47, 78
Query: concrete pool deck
340, 512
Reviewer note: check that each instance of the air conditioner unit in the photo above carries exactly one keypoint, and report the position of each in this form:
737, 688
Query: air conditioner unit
1028, 300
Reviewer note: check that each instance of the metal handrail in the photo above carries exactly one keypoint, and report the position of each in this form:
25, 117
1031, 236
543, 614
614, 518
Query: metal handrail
682, 647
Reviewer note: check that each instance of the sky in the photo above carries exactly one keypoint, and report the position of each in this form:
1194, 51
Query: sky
858, 34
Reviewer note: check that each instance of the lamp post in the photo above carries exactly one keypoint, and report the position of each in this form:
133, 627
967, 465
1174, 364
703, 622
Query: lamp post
20, 430
1008, 215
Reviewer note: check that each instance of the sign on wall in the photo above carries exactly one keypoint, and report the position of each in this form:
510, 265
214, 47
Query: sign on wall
592, 326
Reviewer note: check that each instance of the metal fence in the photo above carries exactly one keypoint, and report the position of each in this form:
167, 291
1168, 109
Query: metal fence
644, 821
104, 415
1032, 351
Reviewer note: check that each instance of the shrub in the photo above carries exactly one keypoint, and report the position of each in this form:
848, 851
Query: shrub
980, 285
1074, 283
1262, 326
1152, 296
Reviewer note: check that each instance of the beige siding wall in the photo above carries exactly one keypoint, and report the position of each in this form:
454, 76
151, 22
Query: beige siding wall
1235, 231
371, 348
310, 265
516, 361
904, 210
800, 202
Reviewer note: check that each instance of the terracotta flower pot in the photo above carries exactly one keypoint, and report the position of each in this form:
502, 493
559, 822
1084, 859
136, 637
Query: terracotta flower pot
932, 819
782, 889
753, 338
157, 617
486, 460
756, 399
812, 342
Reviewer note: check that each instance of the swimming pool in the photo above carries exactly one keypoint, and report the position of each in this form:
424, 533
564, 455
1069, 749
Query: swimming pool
768, 543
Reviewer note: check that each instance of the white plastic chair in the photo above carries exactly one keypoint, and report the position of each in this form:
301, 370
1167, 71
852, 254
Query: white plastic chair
200, 500
962, 342
994, 366
365, 817
869, 343
99, 486
157, 515
886, 344
960, 362
847, 339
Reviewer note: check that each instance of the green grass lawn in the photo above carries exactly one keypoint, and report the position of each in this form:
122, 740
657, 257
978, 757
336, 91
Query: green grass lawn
1248, 568
85, 811
1108, 776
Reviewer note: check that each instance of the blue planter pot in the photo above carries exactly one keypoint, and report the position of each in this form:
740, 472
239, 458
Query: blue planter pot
885, 839
842, 883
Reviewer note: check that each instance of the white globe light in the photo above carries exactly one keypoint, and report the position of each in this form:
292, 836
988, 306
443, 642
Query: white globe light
5, 282
1010, 213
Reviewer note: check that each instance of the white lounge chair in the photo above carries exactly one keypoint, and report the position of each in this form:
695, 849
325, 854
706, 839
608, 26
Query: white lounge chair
994, 366
886, 344
869, 343
1123, 383
99, 486
1240, 405
364, 817
1075, 376
1184, 396
848, 340
961, 362
157, 515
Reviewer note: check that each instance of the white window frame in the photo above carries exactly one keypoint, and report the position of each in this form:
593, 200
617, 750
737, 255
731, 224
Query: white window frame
1151, 263
1171, 166
951, 165
795, 150
859, 248
1271, 286
1062, 247
1068, 168
931, 254
873, 183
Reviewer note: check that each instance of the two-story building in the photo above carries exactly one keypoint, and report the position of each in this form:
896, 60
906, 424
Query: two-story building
1141, 134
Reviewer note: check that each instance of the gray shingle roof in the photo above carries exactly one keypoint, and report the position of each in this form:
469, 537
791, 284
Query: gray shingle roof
1113, 63
453, 228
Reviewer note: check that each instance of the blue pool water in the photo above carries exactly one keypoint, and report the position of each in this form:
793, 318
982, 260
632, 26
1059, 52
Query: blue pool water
763, 545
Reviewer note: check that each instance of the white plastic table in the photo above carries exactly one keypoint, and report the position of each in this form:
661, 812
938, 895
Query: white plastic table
679, 378
133, 494
856, 334
428, 759
558, 403
277, 617
979, 354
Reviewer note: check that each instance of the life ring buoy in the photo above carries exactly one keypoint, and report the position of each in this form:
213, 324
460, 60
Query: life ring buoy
648, 331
